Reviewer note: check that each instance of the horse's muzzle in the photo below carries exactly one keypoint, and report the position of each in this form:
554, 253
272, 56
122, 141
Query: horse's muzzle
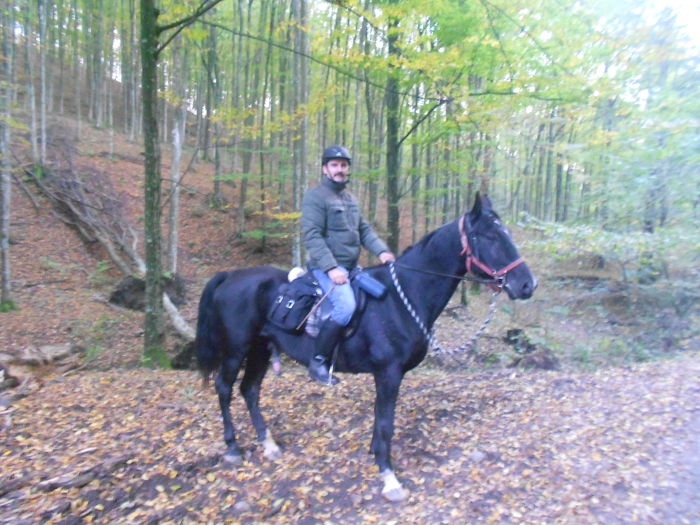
520, 287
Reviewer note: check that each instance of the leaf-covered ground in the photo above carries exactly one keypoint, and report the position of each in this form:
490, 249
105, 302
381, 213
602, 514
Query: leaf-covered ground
135, 446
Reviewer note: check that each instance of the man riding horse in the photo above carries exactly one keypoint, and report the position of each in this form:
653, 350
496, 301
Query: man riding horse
334, 229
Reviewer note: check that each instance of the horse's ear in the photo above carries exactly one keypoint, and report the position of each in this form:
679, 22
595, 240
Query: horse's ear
481, 204
476, 209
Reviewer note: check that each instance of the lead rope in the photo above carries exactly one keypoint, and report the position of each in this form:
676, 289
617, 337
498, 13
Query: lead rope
430, 335
469, 345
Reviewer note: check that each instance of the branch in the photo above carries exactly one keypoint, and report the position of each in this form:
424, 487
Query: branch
181, 24
420, 120
180, 325
486, 4
340, 5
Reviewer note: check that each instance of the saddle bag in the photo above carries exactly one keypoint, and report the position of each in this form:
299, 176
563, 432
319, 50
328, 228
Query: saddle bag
293, 303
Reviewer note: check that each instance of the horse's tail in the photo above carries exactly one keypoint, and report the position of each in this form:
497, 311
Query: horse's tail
208, 333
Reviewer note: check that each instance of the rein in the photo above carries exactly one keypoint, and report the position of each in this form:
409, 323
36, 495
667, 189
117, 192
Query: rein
468, 278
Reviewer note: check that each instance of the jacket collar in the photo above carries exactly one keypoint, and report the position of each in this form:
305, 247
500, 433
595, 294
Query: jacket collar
332, 185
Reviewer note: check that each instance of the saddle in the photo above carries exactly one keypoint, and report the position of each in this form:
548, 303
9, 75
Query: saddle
300, 304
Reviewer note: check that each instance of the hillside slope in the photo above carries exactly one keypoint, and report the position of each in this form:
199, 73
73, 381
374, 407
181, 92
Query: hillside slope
61, 285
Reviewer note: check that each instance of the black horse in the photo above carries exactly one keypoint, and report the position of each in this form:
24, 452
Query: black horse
389, 341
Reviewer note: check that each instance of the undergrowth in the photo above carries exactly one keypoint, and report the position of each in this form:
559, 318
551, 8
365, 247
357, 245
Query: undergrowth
641, 307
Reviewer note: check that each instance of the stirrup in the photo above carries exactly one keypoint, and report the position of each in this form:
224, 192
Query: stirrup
321, 372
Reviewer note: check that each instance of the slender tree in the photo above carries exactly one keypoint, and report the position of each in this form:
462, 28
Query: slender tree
392, 135
43, 102
6, 166
180, 63
151, 47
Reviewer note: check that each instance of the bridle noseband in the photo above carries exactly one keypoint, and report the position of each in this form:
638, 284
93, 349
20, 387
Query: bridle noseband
472, 259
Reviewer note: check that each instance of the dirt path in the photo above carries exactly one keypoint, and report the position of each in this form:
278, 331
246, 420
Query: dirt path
134, 446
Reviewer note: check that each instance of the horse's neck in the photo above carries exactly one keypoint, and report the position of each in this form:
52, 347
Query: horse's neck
427, 292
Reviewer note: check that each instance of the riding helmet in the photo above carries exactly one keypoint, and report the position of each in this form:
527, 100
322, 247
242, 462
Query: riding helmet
335, 152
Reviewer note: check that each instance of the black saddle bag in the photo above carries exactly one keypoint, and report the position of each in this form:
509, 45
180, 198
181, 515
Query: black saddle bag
293, 303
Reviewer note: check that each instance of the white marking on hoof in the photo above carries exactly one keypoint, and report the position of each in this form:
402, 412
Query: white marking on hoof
233, 459
270, 449
393, 491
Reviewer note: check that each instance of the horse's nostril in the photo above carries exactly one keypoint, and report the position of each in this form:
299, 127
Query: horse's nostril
529, 288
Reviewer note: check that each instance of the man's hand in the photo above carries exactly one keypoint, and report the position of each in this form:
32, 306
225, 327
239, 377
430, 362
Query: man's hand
387, 257
338, 275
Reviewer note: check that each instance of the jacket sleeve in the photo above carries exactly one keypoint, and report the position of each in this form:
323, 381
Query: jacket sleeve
369, 238
313, 220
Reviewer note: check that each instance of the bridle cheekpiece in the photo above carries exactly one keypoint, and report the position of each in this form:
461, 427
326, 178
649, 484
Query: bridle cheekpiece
472, 259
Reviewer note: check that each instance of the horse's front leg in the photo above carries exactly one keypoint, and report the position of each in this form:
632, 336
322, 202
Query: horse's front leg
387, 383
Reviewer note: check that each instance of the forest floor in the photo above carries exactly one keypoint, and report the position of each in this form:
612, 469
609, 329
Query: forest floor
112, 442
136, 446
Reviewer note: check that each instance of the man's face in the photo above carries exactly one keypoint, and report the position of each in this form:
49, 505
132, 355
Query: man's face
337, 170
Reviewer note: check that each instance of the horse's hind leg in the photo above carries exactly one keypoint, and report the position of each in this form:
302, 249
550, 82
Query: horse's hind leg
224, 386
256, 367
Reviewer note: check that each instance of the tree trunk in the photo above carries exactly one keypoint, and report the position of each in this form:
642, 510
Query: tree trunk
154, 331
6, 66
488, 161
179, 121
300, 97
43, 44
392, 139
31, 95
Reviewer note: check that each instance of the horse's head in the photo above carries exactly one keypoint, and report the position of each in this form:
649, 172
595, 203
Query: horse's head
490, 251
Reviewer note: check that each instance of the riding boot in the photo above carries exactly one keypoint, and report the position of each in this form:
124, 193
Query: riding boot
328, 337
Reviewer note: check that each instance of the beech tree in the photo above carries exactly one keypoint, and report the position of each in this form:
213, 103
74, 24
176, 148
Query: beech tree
151, 48
6, 64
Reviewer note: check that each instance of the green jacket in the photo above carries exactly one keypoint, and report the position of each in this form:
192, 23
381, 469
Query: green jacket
334, 228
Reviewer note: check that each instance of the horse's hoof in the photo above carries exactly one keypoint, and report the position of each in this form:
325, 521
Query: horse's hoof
395, 495
233, 459
271, 451
272, 454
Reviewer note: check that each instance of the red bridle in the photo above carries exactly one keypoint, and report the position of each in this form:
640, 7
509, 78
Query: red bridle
498, 275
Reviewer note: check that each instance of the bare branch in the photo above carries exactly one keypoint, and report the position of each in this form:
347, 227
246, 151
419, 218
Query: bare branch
181, 24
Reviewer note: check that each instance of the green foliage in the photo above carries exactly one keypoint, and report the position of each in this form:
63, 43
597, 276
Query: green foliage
8, 306
155, 357
266, 233
643, 256
99, 274
96, 337
53, 266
